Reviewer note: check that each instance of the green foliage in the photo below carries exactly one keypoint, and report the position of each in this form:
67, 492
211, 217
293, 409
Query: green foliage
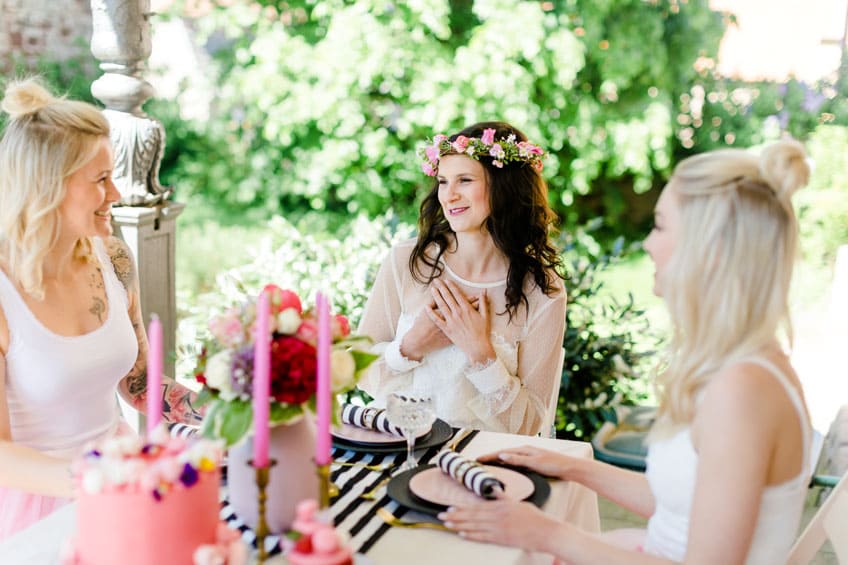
607, 343
823, 207
322, 103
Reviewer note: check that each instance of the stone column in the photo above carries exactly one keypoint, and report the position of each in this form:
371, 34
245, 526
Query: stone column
145, 217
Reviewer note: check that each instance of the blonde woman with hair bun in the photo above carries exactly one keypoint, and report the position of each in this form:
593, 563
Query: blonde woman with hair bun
728, 456
71, 332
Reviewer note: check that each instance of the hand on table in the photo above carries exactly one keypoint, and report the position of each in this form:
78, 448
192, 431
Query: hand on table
504, 522
543, 461
465, 324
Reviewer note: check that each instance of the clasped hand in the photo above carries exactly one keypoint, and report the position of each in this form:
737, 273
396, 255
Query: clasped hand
451, 318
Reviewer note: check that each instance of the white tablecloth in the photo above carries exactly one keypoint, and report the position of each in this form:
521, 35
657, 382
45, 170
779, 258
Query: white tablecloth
42, 542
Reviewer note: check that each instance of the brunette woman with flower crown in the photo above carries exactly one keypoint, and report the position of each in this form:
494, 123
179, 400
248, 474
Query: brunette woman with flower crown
71, 332
472, 313
728, 456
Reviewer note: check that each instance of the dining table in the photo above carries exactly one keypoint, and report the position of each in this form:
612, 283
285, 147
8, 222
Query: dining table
363, 481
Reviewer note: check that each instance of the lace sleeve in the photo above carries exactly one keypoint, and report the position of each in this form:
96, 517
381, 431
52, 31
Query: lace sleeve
519, 403
379, 321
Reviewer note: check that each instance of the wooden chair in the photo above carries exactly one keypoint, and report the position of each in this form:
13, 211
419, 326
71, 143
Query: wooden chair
829, 522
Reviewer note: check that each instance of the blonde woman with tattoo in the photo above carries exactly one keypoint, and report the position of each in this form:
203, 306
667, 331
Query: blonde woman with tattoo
71, 332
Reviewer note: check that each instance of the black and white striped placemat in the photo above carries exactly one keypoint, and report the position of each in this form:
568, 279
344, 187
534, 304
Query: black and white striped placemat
351, 513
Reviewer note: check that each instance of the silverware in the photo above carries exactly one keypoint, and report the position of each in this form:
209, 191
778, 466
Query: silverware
370, 467
460, 435
390, 519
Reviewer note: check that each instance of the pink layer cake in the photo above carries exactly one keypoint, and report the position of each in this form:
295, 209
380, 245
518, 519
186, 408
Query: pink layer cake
143, 503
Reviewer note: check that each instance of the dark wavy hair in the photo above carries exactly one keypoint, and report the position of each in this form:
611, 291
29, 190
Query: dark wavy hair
519, 223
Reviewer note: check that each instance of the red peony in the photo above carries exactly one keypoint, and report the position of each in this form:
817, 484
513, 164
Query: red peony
293, 369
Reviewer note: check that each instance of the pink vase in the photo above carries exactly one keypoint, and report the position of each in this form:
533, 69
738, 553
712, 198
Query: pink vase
292, 479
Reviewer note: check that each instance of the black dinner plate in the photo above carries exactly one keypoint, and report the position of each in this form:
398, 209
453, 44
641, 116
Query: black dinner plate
438, 434
398, 489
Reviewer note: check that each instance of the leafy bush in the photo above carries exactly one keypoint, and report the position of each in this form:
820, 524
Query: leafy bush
607, 343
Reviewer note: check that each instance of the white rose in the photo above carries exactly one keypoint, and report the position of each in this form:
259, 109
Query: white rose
218, 369
342, 369
288, 321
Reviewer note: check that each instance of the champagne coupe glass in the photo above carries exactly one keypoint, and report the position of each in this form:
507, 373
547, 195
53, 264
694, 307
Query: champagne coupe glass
414, 416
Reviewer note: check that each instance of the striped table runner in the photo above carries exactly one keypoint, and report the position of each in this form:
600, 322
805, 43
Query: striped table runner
351, 513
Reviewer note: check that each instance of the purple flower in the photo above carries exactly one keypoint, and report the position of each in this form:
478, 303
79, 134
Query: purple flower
497, 151
157, 495
189, 475
242, 373
488, 136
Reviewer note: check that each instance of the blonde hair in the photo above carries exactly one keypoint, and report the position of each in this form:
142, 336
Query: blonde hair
727, 281
46, 140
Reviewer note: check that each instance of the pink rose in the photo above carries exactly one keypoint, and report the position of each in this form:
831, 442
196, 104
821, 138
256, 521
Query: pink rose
281, 299
488, 136
432, 153
460, 144
227, 328
308, 331
341, 327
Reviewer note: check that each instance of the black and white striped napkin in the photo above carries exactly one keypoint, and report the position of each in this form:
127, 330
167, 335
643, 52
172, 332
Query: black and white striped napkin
469, 473
369, 418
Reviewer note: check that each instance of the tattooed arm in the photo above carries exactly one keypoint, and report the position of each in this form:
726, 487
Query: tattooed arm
177, 399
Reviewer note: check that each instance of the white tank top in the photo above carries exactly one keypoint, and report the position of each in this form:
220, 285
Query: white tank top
671, 471
61, 390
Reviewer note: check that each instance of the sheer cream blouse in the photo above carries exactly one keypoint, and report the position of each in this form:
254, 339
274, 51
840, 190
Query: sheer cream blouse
512, 394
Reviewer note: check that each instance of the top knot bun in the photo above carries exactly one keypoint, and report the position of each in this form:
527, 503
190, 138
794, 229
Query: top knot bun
25, 97
783, 165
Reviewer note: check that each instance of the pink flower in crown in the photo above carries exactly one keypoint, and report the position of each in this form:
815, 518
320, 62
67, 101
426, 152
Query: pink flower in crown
227, 328
498, 164
428, 169
437, 139
497, 151
460, 144
527, 148
488, 136
432, 153
341, 327
538, 165
308, 331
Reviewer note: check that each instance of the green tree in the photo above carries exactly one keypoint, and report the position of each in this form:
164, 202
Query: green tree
323, 103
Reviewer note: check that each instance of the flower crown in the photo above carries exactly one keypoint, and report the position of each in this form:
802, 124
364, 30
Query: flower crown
507, 150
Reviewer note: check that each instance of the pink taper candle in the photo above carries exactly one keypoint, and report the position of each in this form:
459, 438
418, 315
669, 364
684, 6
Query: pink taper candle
154, 374
323, 400
261, 383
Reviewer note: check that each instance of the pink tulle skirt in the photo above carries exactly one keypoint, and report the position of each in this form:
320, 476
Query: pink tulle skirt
19, 509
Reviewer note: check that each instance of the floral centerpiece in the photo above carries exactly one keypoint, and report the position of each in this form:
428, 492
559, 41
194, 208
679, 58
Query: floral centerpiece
225, 364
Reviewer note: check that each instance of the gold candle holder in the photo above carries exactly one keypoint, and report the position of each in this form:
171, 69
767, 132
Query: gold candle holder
323, 485
262, 477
